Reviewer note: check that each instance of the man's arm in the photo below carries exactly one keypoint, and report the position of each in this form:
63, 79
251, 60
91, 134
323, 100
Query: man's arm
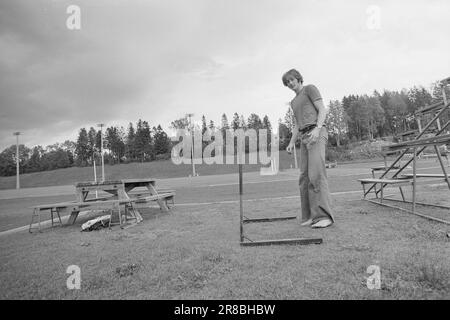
322, 114
294, 137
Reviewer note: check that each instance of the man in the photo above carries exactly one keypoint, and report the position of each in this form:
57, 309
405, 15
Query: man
310, 113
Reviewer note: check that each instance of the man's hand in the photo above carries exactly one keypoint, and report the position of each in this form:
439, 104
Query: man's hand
314, 135
290, 147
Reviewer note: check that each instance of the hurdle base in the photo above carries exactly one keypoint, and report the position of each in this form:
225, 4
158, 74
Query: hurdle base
250, 220
303, 241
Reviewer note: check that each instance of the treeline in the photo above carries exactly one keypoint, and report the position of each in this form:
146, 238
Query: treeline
136, 143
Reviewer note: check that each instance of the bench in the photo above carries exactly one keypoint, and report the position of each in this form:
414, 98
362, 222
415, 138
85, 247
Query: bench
425, 175
382, 182
74, 209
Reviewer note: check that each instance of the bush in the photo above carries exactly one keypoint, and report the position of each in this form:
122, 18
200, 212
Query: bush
163, 156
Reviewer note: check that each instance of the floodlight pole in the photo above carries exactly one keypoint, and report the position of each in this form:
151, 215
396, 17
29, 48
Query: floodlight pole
192, 147
17, 160
101, 125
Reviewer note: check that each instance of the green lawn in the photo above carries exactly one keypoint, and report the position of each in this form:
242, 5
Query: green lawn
194, 253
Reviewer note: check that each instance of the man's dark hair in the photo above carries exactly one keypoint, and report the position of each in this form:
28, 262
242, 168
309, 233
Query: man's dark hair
294, 73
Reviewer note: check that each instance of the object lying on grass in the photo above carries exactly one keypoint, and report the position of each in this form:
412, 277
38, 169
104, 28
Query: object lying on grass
331, 164
95, 224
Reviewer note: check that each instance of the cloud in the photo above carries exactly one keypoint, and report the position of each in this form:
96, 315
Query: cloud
157, 60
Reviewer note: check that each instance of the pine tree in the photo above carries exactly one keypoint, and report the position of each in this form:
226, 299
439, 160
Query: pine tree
162, 141
235, 124
82, 148
130, 142
204, 126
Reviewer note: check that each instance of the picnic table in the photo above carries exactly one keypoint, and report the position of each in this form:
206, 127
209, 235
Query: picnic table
120, 189
121, 192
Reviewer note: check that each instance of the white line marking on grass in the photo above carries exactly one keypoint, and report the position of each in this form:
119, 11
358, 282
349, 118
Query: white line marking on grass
249, 182
258, 199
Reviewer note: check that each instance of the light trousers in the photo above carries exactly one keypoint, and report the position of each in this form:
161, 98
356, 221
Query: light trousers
314, 193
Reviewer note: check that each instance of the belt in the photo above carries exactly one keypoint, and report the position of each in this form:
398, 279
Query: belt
307, 128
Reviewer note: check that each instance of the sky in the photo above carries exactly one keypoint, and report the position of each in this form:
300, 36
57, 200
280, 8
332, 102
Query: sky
158, 60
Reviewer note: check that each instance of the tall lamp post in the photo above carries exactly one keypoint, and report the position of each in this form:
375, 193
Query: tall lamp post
101, 125
189, 115
17, 159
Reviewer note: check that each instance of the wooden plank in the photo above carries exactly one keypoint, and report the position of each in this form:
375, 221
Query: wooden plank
430, 108
425, 175
386, 181
383, 168
138, 181
268, 219
156, 197
442, 139
302, 241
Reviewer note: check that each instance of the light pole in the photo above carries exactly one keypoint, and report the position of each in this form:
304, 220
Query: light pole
101, 125
17, 159
192, 147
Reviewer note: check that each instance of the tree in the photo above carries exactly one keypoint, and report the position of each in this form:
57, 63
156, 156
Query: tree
204, 126
162, 141
289, 121
114, 137
143, 141
336, 120
224, 122
397, 105
82, 148
235, 124
92, 145
266, 124
254, 122
34, 162
182, 123
8, 160
375, 118
69, 147
242, 123
130, 143
211, 125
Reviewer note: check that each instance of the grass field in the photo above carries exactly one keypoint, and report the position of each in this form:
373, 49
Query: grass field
194, 252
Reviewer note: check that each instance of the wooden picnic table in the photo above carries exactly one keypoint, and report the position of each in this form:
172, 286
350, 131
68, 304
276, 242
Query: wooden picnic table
120, 189
121, 195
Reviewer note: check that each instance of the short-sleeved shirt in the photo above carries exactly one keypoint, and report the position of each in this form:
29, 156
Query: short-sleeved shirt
302, 105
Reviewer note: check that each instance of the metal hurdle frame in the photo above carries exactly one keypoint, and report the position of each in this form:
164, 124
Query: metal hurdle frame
245, 220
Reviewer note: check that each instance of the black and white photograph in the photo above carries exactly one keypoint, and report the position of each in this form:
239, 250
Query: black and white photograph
224, 155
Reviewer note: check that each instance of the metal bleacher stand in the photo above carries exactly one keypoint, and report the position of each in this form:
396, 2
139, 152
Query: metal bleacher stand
417, 146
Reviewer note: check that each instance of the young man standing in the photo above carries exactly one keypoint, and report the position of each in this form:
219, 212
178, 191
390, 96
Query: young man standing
310, 113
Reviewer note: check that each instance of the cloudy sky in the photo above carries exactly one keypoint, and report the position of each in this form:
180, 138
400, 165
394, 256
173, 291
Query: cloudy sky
160, 59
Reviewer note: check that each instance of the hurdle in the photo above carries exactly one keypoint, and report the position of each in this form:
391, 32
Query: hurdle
245, 241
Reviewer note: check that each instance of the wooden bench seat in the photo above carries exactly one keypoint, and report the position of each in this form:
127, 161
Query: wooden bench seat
374, 181
385, 181
74, 208
426, 175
